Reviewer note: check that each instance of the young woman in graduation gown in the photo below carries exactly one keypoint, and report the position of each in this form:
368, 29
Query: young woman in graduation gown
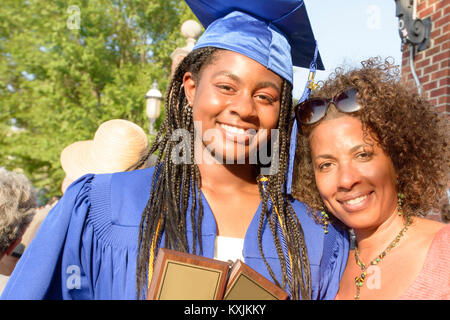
100, 240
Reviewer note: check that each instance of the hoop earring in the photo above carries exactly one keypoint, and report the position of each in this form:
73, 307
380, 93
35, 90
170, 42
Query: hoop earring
400, 201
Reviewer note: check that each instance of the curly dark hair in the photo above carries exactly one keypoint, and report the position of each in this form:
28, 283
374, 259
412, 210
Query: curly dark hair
17, 206
405, 125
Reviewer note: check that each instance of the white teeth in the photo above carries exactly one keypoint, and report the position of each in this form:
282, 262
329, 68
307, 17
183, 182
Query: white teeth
356, 200
232, 129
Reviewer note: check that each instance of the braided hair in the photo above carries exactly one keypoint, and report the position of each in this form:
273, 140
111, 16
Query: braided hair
174, 184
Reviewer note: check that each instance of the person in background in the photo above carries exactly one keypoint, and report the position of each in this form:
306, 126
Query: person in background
374, 155
119, 144
17, 208
101, 239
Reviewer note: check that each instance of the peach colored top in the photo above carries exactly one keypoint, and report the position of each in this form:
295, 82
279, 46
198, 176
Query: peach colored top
433, 281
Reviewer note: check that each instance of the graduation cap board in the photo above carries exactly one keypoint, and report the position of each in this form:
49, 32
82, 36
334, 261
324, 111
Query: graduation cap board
276, 33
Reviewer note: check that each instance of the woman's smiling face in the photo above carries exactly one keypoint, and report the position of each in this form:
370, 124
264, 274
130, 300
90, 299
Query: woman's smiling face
354, 176
234, 99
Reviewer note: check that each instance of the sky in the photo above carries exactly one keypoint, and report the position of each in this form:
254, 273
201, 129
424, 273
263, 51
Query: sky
348, 32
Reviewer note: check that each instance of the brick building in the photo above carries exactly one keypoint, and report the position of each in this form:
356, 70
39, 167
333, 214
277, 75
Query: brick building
432, 65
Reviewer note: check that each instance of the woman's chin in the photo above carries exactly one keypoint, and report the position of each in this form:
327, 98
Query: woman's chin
358, 222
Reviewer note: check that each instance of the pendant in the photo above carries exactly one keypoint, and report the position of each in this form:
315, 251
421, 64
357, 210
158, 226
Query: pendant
359, 281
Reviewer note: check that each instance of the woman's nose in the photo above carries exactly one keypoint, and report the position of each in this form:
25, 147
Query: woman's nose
245, 108
348, 177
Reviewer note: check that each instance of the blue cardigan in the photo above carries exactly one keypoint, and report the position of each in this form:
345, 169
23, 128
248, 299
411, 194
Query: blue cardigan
86, 248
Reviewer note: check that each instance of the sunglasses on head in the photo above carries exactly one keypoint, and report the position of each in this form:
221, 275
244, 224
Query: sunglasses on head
312, 110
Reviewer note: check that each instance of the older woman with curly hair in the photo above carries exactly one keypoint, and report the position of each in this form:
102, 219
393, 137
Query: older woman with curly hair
374, 156
17, 208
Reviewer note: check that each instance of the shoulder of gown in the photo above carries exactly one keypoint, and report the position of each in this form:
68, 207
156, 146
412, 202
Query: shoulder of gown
93, 227
327, 253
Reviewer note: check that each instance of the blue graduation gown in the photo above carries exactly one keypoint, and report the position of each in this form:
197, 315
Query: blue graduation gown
86, 248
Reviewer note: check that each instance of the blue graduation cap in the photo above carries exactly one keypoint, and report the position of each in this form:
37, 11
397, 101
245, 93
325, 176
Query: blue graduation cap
276, 33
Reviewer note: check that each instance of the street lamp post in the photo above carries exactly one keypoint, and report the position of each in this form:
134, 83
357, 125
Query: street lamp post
153, 100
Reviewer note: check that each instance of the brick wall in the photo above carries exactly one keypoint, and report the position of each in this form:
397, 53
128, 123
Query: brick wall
433, 64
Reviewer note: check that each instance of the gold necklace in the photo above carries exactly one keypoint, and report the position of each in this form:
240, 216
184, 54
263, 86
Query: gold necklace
359, 280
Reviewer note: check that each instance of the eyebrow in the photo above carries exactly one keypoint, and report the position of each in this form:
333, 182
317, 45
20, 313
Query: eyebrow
324, 156
266, 84
357, 147
228, 74
260, 85
328, 156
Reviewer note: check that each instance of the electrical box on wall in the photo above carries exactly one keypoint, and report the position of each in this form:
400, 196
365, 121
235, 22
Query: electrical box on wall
411, 29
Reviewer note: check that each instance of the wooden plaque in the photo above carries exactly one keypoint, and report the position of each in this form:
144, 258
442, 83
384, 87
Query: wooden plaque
183, 276
246, 284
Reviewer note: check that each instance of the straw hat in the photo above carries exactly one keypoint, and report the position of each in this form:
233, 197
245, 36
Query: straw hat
118, 145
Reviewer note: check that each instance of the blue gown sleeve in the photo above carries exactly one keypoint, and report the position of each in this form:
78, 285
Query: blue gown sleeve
335, 254
39, 274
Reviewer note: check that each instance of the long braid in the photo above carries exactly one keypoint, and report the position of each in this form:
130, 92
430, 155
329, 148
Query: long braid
172, 184
300, 284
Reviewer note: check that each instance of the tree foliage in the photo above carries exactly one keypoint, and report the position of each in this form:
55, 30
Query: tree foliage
66, 67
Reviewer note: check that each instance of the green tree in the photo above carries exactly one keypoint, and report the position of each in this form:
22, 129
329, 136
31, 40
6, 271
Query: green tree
66, 67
